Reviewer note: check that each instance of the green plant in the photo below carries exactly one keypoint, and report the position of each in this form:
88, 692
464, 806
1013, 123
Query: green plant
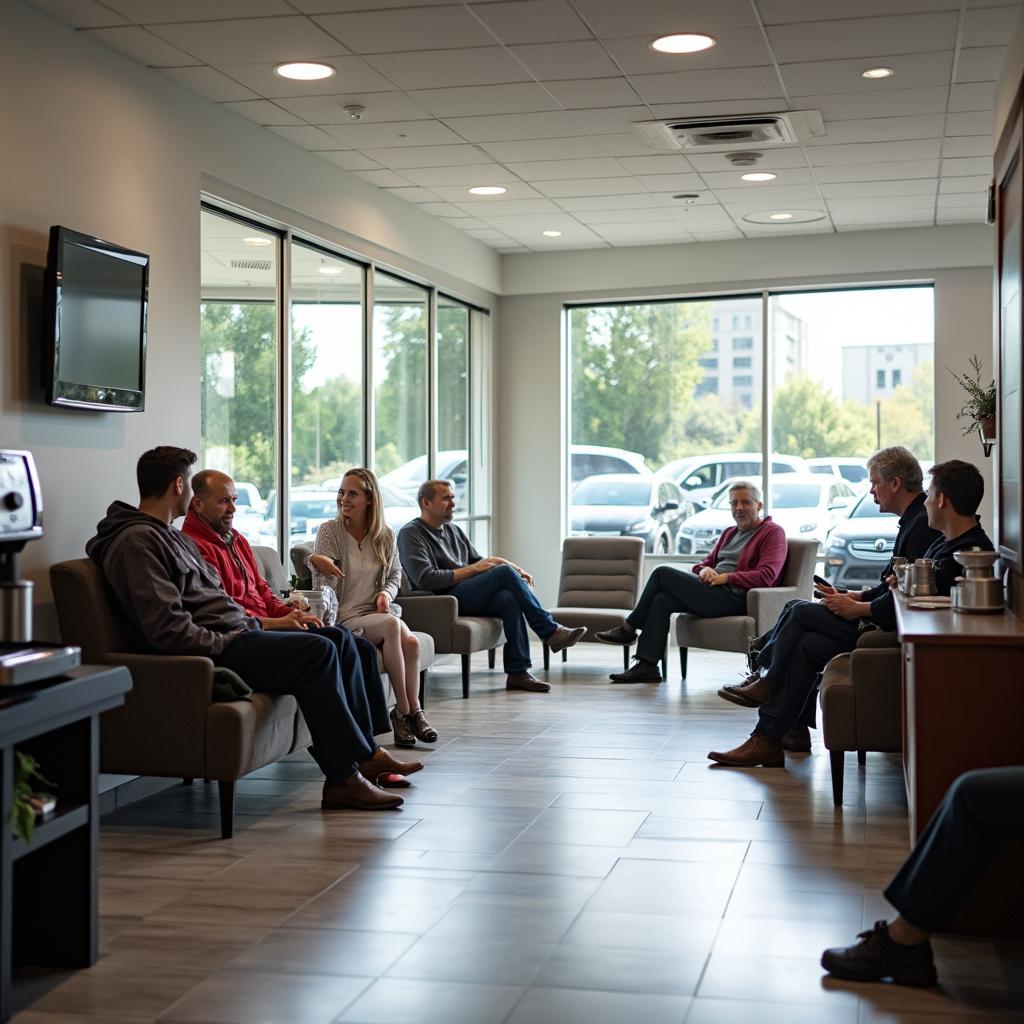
23, 814
980, 402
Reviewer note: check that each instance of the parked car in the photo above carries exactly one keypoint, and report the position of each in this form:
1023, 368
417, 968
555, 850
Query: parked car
249, 509
699, 475
854, 471
593, 459
804, 505
629, 505
859, 546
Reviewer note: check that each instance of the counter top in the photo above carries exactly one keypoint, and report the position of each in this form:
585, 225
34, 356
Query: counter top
945, 626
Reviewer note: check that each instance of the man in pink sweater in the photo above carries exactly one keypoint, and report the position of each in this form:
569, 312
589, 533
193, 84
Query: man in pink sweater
750, 554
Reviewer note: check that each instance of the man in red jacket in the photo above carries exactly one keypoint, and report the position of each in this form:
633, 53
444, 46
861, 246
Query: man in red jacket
750, 554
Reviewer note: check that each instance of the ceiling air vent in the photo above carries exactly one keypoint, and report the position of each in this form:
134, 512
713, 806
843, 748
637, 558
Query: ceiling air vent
733, 132
251, 264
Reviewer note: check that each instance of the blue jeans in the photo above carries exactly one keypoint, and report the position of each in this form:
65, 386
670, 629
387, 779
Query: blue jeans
503, 593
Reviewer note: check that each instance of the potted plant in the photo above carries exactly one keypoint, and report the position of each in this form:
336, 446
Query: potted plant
979, 408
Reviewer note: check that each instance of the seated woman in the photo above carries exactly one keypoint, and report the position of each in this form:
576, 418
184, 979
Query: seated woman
750, 554
356, 554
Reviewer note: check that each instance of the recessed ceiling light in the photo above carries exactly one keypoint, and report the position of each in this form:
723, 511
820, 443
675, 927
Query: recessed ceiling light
759, 176
878, 73
780, 216
330, 271
487, 190
683, 42
258, 241
552, 234
304, 71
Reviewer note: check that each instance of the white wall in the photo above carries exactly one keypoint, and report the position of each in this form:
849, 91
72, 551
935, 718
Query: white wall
530, 357
96, 142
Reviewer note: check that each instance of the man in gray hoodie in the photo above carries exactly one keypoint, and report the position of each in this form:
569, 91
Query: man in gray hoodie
174, 604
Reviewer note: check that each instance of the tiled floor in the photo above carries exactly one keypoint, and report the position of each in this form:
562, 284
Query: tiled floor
569, 857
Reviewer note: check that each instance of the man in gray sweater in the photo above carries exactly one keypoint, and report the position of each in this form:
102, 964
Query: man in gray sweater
437, 556
174, 604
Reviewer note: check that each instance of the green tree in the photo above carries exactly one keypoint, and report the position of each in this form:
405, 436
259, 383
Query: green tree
810, 422
711, 426
907, 417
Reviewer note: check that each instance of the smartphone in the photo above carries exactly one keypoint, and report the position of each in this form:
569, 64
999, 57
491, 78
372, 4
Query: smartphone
822, 582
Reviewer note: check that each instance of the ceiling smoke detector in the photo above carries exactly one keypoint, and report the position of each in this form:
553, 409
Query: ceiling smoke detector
355, 111
743, 159
738, 132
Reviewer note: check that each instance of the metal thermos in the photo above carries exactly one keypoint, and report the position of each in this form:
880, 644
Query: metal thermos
921, 578
16, 611
979, 589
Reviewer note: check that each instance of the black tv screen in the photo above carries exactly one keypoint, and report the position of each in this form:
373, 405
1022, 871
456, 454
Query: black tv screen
96, 298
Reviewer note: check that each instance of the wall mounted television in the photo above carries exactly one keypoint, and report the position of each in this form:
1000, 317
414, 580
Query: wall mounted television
94, 322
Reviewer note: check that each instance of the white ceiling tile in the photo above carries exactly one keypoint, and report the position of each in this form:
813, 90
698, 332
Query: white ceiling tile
622, 144
495, 208
972, 96
577, 147
610, 120
967, 145
821, 227
860, 37
209, 83
425, 156
703, 200
550, 61
305, 136
980, 64
737, 48
780, 11
412, 195
671, 182
890, 171
884, 218
509, 127
771, 160
610, 18
553, 170
489, 235
511, 251
391, 133
593, 92
517, 191
717, 236
966, 166
466, 101
881, 203
439, 69
588, 187
759, 105
854, 106
990, 27
350, 160
715, 84
344, 6
467, 174
247, 40
913, 70
974, 122
742, 209
380, 107
880, 129
908, 187
467, 222
874, 152
532, 21
628, 202
383, 179
674, 163
352, 74
160, 11
768, 193
970, 183
631, 216
643, 232
445, 210
434, 28
143, 46
532, 224
79, 13
787, 177
263, 112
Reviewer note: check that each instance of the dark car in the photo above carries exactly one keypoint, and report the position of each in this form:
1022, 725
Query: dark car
627, 505
858, 548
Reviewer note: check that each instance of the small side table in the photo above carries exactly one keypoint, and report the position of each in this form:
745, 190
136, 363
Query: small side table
48, 888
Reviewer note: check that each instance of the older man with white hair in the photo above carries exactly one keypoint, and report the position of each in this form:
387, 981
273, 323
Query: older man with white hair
750, 554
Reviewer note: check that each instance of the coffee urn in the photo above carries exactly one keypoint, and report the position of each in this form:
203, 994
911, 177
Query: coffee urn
21, 520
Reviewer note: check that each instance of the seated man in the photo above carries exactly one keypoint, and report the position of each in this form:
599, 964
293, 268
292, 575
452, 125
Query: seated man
750, 554
815, 633
438, 557
981, 810
209, 521
895, 477
174, 604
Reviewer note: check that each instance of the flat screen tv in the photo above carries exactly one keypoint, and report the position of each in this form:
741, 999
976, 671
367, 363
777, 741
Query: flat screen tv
96, 294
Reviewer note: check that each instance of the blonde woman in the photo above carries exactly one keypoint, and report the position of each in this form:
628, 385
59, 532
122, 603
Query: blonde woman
357, 556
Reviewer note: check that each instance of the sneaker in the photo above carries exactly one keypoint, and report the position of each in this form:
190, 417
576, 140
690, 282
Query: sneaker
404, 735
620, 636
641, 672
877, 956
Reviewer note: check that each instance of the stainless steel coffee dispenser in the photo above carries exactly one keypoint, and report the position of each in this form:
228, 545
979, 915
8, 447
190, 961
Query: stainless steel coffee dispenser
21, 520
979, 589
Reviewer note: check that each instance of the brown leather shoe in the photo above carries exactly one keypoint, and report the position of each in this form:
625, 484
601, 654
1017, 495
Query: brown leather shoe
382, 762
401, 725
797, 740
747, 695
358, 794
757, 750
526, 681
564, 637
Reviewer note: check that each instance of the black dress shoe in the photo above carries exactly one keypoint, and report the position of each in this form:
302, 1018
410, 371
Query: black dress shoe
641, 672
797, 740
620, 636
877, 956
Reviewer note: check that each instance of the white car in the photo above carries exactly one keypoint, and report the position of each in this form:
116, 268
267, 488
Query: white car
853, 470
804, 505
699, 476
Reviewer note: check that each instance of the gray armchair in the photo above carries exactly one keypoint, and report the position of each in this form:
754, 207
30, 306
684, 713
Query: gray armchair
764, 605
599, 585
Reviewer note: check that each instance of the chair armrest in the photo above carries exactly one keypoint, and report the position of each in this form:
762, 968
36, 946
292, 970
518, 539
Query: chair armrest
161, 727
434, 614
877, 638
765, 604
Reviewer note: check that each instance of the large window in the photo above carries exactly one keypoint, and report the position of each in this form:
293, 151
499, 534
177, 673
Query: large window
453, 399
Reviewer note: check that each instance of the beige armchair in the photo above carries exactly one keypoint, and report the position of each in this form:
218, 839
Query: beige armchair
861, 706
764, 605
599, 585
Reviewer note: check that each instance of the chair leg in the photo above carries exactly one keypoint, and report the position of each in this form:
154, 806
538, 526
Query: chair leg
664, 664
490, 657
227, 808
682, 661
565, 654
625, 658
187, 780
836, 759
862, 757
547, 656
423, 688
465, 677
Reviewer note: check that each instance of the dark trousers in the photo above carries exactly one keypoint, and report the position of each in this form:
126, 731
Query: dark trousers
672, 590
764, 655
807, 642
981, 810
324, 675
371, 687
503, 593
